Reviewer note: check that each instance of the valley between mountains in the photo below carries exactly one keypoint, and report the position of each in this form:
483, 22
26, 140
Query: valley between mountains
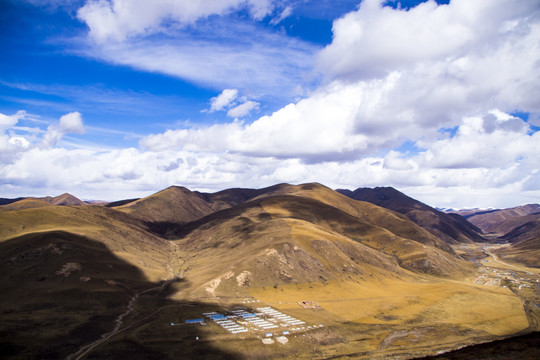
289, 271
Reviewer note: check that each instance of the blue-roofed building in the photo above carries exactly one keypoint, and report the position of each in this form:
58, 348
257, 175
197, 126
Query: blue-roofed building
218, 317
194, 321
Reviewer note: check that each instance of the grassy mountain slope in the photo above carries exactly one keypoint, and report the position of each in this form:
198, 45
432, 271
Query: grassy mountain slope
525, 244
450, 228
500, 222
373, 214
122, 234
60, 291
166, 210
30, 202
291, 239
64, 199
26, 203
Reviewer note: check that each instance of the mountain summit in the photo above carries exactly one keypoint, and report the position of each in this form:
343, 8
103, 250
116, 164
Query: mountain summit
449, 227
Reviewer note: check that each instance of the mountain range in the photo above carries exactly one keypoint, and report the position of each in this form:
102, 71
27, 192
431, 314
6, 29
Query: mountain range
74, 273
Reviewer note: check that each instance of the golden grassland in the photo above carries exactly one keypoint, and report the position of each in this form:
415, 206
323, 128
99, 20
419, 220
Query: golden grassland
496, 311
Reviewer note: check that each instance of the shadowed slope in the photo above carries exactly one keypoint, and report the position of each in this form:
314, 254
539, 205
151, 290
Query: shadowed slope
525, 244
6, 201
124, 235
449, 227
62, 292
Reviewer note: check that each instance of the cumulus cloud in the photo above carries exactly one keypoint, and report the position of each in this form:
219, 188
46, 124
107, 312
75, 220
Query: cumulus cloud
496, 140
118, 19
301, 130
243, 109
375, 39
71, 122
68, 123
10, 120
236, 107
411, 100
428, 175
223, 100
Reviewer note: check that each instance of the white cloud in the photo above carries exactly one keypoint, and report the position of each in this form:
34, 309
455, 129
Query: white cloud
182, 38
285, 13
223, 100
503, 175
71, 122
10, 120
237, 55
301, 130
236, 107
118, 19
243, 109
68, 123
375, 40
493, 141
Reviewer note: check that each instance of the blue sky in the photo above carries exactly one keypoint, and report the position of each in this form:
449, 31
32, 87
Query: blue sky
109, 99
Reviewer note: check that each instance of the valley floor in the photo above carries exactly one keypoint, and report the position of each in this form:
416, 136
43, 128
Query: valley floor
369, 319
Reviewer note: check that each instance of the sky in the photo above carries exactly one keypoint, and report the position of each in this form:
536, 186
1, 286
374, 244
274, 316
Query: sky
115, 99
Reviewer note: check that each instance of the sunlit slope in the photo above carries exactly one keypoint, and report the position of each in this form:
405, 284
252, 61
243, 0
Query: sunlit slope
292, 239
64, 199
27, 203
367, 212
451, 228
31, 202
168, 208
116, 230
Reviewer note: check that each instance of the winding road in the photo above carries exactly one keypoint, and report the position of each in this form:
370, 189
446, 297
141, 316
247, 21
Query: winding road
496, 259
83, 351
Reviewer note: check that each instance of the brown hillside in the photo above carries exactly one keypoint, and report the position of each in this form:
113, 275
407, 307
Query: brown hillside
31, 202
500, 222
121, 233
291, 239
450, 228
169, 208
373, 214
64, 199
525, 243
26, 203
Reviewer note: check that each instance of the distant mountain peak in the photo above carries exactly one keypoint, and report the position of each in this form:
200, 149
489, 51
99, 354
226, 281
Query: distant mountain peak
451, 228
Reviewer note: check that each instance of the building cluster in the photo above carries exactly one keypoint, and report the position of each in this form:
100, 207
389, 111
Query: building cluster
265, 320
496, 277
